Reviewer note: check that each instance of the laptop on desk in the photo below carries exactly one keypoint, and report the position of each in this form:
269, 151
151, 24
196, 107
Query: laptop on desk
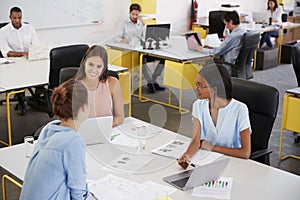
193, 40
295, 91
198, 176
38, 52
96, 130
260, 17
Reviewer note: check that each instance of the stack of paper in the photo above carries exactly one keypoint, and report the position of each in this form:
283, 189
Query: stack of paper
173, 149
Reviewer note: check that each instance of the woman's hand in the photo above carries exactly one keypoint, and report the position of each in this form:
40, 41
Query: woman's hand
184, 160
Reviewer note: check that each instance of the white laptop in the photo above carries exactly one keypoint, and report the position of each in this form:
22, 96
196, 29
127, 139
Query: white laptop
198, 176
260, 17
38, 52
96, 130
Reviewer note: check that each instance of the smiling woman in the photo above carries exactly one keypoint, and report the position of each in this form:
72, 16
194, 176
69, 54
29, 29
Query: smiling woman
105, 95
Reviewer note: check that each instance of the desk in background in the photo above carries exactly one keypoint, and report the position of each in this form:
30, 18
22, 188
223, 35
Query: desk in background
181, 65
251, 180
20, 75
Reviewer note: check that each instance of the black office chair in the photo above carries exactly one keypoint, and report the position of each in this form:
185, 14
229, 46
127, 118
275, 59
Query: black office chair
262, 113
3, 24
216, 24
243, 66
60, 57
296, 66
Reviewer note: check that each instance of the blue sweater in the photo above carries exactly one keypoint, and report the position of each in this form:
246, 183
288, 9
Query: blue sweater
57, 168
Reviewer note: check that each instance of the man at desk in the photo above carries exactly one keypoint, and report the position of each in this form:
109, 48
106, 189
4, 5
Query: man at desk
131, 33
15, 39
230, 48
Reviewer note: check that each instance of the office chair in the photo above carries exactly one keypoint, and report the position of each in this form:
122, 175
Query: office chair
3, 24
262, 113
242, 67
67, 73
216, 24
60, 57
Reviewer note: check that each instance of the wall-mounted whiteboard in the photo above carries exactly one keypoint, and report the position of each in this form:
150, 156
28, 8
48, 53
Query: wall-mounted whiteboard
44, 14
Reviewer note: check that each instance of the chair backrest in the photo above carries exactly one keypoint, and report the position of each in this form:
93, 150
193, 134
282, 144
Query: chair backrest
67, 73
62, 57
216, 24
3, 24
262, 102
250, 42
296, 61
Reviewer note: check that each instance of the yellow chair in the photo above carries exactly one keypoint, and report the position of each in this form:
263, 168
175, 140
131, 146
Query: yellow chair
6, 177
125, 82
290, 120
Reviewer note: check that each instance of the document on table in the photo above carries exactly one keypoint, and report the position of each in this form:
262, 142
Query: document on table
120, 138
217, 189
113, 187
203, 157
172, 149
130, 162
5, 61
212, 40
130, 128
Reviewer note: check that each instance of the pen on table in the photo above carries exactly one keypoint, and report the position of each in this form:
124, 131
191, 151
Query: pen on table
192, 164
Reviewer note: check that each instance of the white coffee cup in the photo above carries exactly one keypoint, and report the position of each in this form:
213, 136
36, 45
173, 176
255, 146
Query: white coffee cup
29, 144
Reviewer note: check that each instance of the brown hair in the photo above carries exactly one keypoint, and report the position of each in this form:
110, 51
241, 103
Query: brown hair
135, 6
68, 98
275, 2
95, 50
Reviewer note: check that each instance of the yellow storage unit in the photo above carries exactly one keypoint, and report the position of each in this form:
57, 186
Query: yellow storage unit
180, 75
201, 30
148, 6
290, 120
123, 58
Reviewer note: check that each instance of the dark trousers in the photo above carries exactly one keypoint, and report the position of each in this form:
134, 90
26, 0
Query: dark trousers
157, 72
266, 37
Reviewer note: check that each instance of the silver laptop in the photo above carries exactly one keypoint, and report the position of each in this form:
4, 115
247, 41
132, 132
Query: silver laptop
198, 176
260, 17
38, 52
96, 130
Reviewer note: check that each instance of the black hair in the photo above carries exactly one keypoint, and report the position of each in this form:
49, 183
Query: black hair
276, 4
15, 9
217, 76
232, 15
135, 6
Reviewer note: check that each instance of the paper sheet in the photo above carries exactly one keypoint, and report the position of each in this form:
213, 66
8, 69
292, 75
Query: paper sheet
120, 138
203, 157
113, 187
5, 61
218, 189
173, 149
212, 40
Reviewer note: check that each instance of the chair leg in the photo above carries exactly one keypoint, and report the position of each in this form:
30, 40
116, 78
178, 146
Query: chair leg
6, 177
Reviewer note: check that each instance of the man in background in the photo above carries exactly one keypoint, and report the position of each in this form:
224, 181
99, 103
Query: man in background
230, 48
131, 32
15, 39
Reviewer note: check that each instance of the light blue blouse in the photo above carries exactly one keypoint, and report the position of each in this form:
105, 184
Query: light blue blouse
57, 168
232, 119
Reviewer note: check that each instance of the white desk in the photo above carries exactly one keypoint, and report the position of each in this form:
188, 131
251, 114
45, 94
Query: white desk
23, 73
251, 180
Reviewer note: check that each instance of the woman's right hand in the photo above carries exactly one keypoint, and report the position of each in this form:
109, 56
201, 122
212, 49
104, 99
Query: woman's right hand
184, 160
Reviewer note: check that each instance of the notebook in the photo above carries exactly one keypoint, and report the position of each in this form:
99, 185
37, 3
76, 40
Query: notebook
193, 40
96, 130
198, 176
260, 17
38, 52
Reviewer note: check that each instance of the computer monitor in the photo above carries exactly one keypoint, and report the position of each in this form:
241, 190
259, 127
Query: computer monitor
157, 32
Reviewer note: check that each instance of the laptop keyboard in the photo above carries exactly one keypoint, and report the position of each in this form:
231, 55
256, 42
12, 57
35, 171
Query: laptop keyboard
181, 183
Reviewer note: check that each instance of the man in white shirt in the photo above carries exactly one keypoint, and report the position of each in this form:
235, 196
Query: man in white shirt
131, 33
15, 39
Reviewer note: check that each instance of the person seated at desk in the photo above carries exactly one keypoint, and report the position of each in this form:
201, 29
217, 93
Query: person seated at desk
230, 47
105, 95
131, 32
221, 123
15, 39
274, 12
57, 167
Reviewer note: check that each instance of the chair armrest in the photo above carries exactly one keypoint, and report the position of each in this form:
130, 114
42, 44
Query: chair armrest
260, 153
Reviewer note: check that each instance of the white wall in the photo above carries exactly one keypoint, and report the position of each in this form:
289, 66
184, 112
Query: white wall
115, 11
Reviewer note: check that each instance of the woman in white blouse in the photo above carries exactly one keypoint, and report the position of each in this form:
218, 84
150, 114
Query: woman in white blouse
274, 12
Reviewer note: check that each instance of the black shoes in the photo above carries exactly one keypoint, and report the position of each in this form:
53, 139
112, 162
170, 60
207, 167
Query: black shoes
152, 87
